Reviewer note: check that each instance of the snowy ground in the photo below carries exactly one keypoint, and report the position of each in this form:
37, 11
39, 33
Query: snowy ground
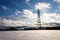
30, 35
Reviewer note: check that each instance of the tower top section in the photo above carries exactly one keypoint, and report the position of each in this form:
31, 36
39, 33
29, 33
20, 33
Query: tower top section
38, 12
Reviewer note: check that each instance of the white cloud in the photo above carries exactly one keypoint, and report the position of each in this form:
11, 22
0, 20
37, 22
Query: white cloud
27, 1
29, 18
58, 8
42, 5
56, 0
17, 12
29, 14
29, 4
10, 22
50, 17
4, 7
5, 22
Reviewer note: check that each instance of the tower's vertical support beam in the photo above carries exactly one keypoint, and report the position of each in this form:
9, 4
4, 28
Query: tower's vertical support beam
39, 18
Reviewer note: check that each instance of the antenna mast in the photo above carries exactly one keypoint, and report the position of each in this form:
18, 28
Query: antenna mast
39, 18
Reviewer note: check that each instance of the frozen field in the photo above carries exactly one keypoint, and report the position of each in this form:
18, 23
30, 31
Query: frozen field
30, 35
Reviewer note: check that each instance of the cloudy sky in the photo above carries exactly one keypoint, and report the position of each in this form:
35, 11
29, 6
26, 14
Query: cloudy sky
24, 12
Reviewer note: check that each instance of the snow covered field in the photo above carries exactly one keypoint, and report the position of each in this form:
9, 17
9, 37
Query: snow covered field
30, 35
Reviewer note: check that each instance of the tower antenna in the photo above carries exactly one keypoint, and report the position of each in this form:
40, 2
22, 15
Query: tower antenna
39, 18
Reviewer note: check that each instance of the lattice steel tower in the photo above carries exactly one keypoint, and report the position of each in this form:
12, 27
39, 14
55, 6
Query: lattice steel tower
39, 18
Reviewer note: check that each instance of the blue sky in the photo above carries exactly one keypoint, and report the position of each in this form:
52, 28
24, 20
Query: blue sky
21, 4
26, 10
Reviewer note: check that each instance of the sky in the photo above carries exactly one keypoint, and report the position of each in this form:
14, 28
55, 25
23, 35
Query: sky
24, 12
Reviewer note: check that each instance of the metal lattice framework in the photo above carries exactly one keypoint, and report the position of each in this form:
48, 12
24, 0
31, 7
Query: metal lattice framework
39, 18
